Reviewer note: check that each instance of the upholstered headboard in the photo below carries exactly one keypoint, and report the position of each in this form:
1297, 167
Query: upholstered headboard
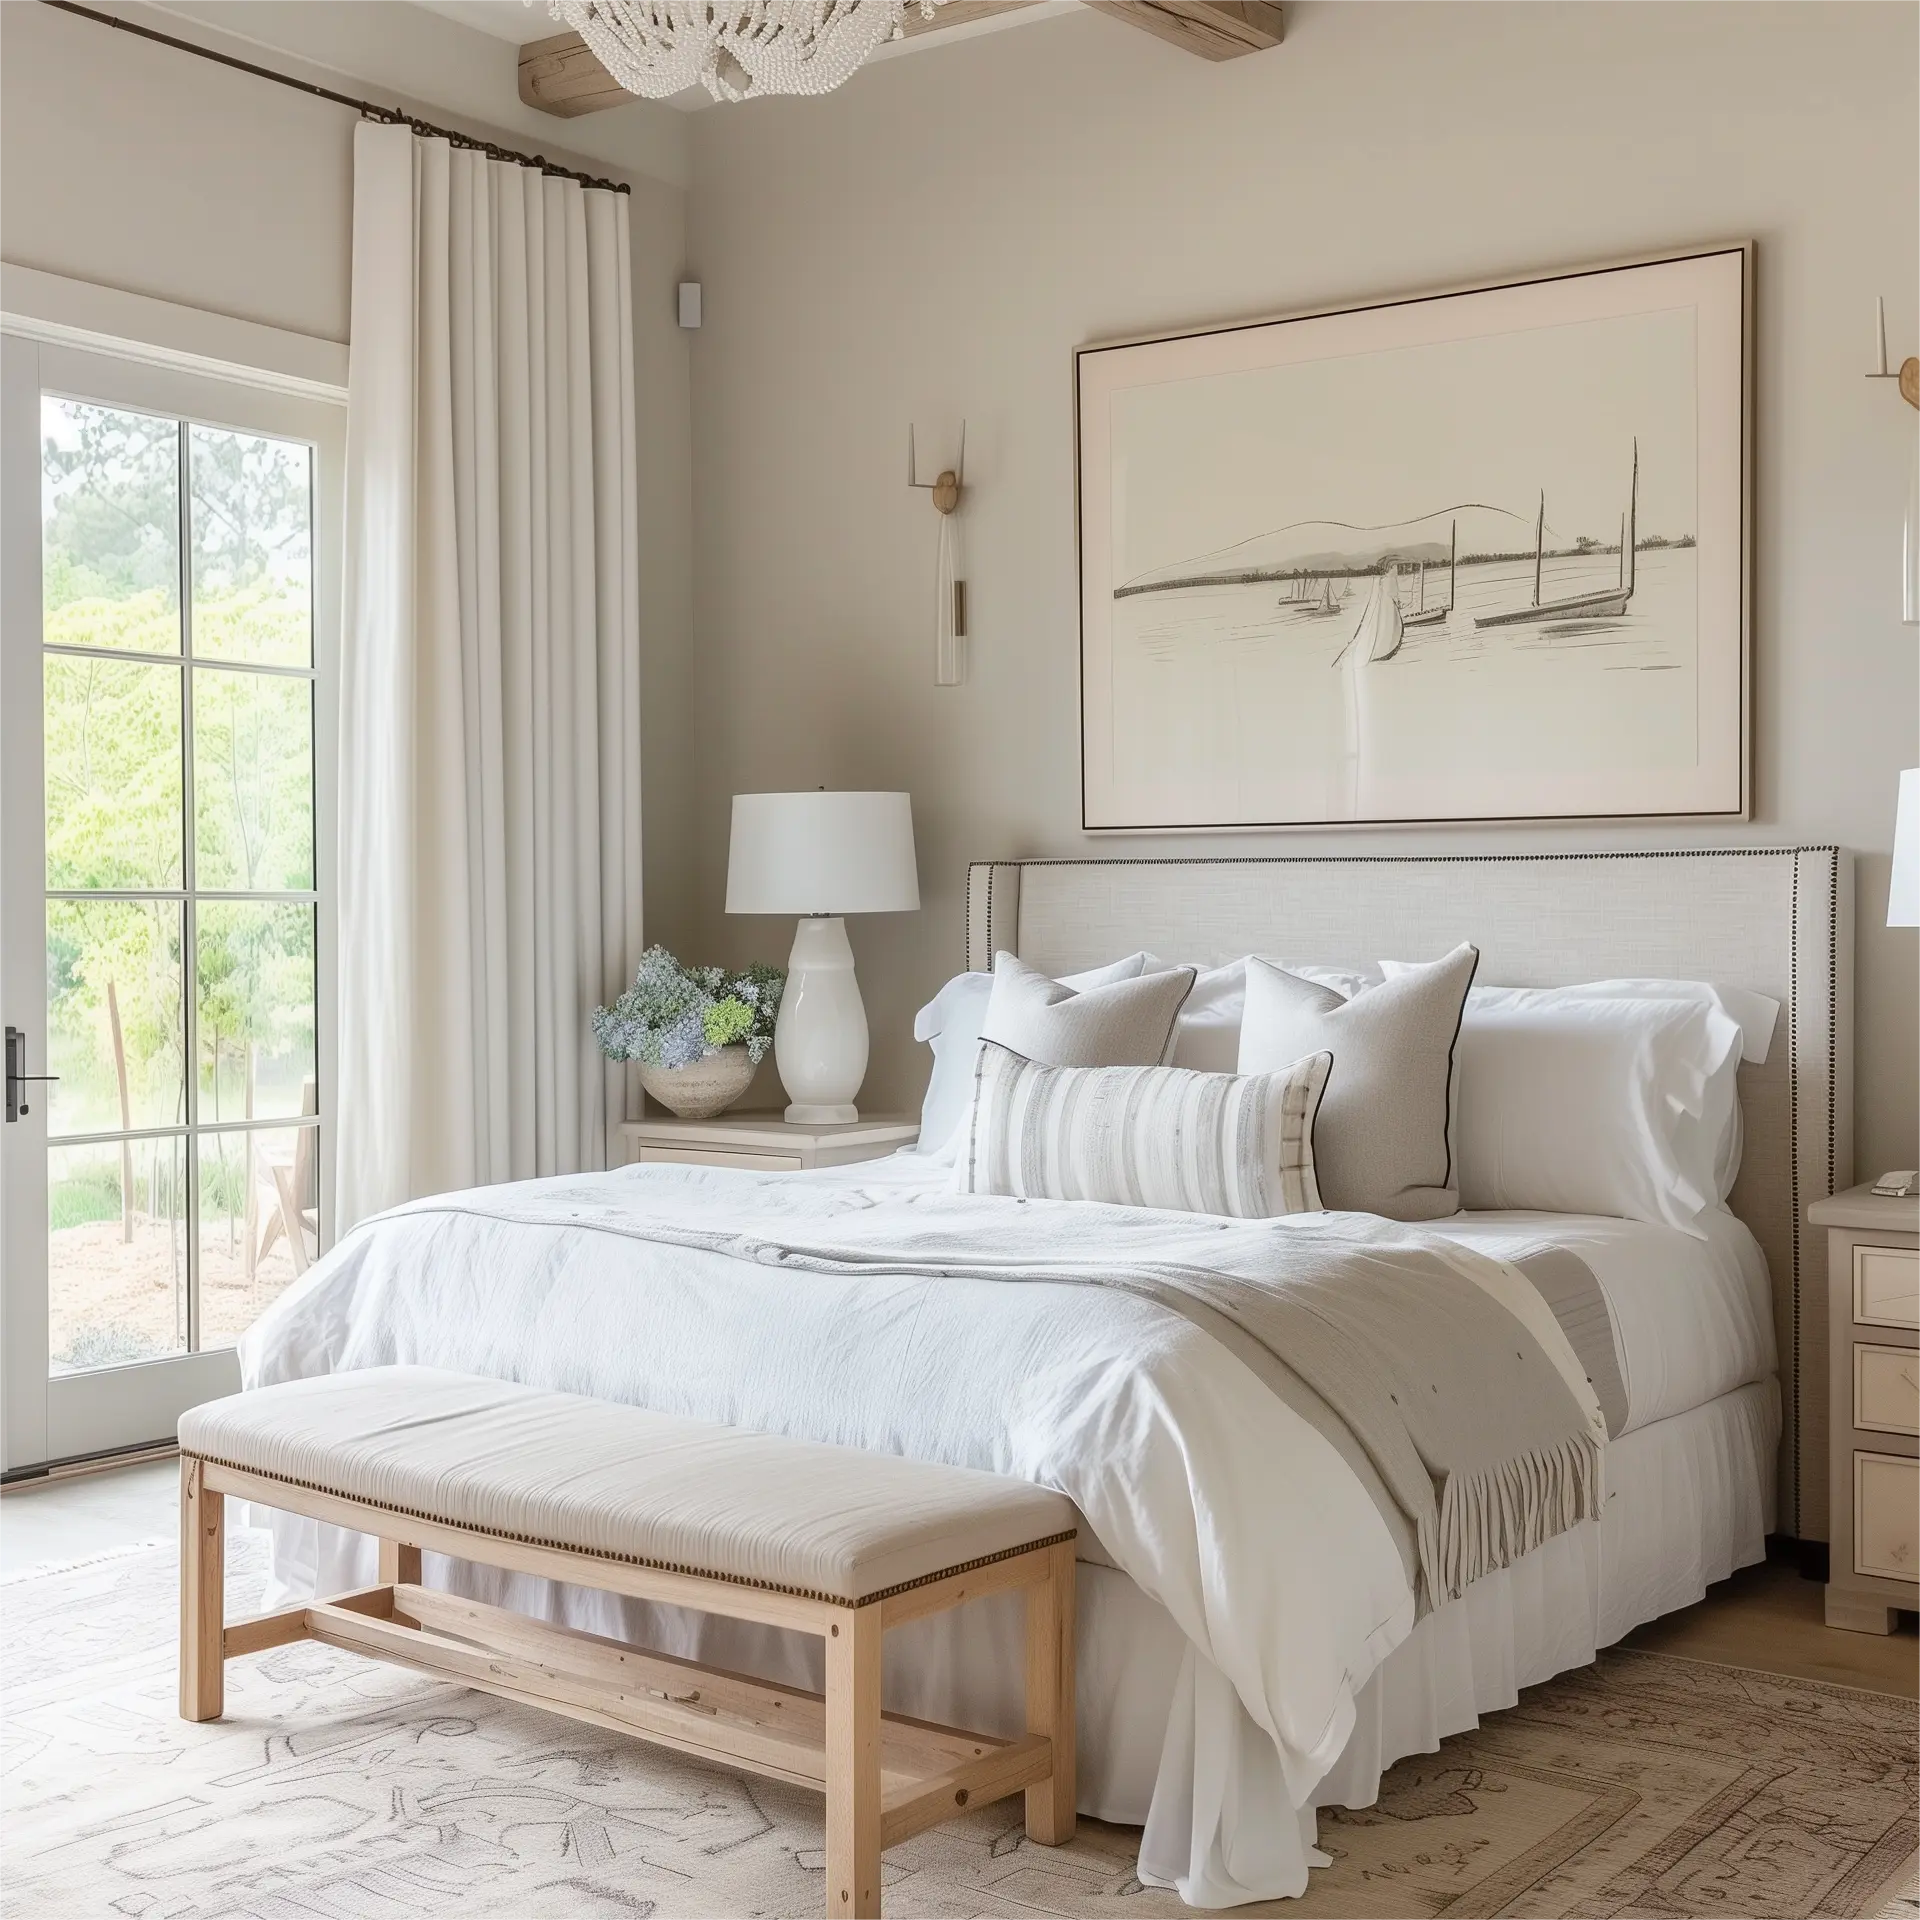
1778, 919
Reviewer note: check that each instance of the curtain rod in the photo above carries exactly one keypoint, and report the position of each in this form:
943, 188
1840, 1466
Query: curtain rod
390, 116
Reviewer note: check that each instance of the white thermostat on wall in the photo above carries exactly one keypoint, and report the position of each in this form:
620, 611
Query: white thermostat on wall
689, 303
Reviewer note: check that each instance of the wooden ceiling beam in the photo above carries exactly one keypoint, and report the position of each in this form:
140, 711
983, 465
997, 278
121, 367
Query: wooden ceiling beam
1214, 29
563, 76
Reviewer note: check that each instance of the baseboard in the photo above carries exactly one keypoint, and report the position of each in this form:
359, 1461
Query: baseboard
1809, 1557
86, 1463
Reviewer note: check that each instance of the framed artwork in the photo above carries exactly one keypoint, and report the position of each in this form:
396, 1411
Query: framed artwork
1477, 555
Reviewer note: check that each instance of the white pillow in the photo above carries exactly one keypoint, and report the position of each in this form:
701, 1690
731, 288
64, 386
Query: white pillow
951, 1021
1385, 1142
1206, 1037
1126, 1023
1577, 1101
1754, 1012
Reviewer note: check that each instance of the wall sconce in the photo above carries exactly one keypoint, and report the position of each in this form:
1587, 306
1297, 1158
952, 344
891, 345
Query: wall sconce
1909, 379
949, 585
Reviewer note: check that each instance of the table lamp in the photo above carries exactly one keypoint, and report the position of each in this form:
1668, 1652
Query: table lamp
821, 855
1903, 894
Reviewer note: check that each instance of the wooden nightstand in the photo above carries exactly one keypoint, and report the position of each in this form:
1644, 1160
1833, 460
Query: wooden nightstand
1873, 1305
764, 1140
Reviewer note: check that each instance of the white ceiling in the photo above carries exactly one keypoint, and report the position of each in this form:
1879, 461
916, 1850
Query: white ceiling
504, 19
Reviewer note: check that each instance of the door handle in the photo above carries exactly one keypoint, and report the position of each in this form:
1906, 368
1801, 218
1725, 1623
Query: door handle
18, 1078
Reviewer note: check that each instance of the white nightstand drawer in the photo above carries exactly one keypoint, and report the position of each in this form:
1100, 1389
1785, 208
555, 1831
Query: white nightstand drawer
1886, 1286
1886, 1389
715, 1157
1886, 1516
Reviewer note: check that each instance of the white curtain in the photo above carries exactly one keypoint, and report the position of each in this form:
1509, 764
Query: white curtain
489, 815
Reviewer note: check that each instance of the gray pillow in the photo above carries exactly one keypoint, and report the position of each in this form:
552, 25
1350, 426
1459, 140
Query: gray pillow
1127, 1023
1383, 1141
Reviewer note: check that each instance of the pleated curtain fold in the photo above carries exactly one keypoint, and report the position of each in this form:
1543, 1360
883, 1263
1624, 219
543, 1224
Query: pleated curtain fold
489, 878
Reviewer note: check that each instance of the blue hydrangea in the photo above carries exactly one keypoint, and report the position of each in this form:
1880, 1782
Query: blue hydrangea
662, 1019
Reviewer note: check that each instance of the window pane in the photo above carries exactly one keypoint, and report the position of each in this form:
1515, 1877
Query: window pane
257, 1191
113, 773
110, 527
252, 781
116, 1254
255, 1039
252, 507
113, 1015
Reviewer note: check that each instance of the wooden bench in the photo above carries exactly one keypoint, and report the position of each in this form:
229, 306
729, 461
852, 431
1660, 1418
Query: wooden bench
827, 1540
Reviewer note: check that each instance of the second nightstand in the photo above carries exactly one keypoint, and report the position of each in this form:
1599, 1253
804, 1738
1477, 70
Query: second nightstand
764, 1140
1873, 1291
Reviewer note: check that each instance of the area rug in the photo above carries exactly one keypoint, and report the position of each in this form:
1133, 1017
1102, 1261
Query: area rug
340, 1789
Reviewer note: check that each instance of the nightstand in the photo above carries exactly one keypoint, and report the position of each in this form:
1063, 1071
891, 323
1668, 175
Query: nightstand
764, 1140
1873, 1306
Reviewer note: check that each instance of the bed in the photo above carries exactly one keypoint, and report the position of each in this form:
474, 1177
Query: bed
1247, 1650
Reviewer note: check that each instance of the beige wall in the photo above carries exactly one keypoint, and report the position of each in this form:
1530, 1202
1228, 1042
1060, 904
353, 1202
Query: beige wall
138, 167
939, 237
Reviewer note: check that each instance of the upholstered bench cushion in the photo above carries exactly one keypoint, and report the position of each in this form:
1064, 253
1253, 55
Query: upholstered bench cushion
833, 1522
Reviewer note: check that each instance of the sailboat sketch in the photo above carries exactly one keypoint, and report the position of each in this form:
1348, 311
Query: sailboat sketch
1471, 557
1603, 605
1423, 615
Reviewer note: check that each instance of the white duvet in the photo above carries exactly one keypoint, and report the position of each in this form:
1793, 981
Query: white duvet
1221, 1503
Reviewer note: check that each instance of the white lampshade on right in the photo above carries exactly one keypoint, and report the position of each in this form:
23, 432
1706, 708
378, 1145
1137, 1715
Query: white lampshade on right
1903, 894
821, 855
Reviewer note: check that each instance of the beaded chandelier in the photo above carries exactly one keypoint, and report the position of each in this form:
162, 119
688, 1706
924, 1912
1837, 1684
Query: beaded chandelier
736, 49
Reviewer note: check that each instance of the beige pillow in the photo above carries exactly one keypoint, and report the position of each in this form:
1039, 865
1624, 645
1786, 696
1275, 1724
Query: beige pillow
1144, 1136
1127, 1023
1383, 1141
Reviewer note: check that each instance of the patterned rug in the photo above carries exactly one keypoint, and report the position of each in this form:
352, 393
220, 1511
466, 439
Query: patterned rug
340, 1789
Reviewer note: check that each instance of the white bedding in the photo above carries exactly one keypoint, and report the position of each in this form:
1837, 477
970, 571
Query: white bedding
1231, 1518
1692, 1317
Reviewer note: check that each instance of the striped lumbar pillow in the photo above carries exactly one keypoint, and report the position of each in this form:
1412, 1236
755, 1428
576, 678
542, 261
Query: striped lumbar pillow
1237, 1144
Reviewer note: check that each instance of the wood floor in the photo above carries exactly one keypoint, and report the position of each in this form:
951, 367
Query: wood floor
1768, 1617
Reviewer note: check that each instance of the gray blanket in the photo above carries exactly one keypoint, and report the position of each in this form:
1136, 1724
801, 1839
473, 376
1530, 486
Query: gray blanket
1390, 1340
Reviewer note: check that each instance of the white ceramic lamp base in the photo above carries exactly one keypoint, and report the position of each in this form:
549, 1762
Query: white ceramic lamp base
820, 1039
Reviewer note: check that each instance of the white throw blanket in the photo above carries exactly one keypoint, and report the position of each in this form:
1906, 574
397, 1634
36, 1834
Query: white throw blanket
1222, 1503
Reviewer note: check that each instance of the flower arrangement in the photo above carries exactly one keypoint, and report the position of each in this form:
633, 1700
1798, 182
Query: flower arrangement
673, 1015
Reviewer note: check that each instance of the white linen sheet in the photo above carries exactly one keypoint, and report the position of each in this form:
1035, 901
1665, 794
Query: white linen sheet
1232, 1521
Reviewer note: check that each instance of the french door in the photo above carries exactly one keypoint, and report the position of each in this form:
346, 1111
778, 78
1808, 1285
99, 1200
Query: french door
167, 569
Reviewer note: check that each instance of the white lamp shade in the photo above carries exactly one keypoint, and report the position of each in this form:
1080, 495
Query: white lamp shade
831, 853
1903, 896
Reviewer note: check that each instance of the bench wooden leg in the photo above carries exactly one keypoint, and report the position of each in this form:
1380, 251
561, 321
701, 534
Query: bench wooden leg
399, 1565
1050, 1803
203, 1568
853, 1764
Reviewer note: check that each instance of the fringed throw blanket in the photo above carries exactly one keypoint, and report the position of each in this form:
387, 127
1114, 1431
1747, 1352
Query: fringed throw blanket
1437, 1373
